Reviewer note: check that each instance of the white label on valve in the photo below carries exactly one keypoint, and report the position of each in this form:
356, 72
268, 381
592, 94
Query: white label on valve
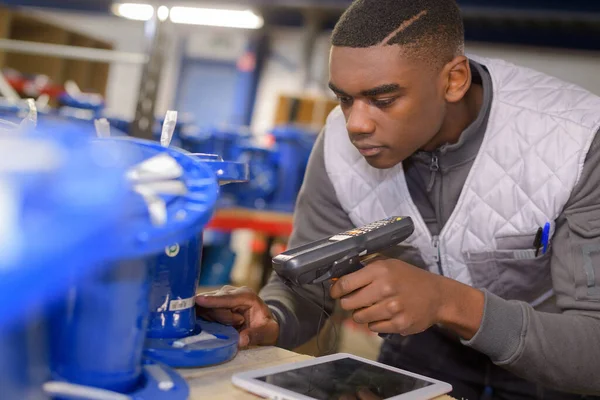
172, 251
183, 304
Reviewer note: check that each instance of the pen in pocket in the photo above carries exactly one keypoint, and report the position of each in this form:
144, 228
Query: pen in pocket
541, 240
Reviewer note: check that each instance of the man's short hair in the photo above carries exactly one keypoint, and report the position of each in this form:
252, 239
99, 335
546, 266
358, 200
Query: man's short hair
431, 29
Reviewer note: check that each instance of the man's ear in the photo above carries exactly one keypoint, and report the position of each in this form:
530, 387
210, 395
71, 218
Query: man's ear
457, 77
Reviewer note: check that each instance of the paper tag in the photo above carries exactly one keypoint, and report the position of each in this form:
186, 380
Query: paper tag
102, 128
168, 128
30, 121
183, 304
202, 337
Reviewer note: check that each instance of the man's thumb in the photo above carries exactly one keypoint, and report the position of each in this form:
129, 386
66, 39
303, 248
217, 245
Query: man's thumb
254, 336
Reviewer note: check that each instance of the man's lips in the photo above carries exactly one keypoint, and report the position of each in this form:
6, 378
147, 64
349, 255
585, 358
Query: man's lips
369, 151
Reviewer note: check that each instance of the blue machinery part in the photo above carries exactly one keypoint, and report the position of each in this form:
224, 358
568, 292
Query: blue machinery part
99, 333
66, 183
98, 330
275, 175
84, 101
175, 336
224, 141
259, 191
56, 186
225, 171
293, 147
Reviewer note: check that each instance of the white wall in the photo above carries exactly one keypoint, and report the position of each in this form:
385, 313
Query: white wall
581, 68
214, 43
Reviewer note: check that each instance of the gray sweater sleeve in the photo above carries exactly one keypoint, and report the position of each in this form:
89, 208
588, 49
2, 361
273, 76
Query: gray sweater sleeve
558, 350
318, 214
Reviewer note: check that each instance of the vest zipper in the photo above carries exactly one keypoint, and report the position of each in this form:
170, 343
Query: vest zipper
436, 256
434, 167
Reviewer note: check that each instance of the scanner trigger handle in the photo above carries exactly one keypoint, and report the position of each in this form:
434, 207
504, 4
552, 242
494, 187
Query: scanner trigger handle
344, 266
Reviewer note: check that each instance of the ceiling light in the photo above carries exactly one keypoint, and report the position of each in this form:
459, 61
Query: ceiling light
245, 19
137, 12
162, 13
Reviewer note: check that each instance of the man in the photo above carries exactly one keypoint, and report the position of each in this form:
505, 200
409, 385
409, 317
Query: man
481, 154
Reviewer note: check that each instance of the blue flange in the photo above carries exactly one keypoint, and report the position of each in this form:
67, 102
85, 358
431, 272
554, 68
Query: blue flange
199, 354
168, 387
157, 382
67, 211
111, 311
61, 202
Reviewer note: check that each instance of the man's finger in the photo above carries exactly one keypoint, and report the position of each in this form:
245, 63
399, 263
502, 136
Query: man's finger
366, 394
223, 316
347, 396
257, 336
361, 298
227, 289
251, 337
374, 313
223, 301
351, 282
383, 327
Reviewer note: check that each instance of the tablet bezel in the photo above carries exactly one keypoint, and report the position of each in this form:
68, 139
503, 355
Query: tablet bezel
248, 380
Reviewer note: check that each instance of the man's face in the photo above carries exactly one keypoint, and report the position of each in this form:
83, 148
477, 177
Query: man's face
394, 105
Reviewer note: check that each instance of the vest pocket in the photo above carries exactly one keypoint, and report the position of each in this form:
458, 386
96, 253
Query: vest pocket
515, 274
584, 238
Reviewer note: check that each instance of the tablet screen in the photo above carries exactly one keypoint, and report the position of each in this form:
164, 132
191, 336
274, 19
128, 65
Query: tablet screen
345, 378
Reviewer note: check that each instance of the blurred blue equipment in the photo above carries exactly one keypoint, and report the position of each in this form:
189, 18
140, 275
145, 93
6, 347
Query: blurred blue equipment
218, 258
99, 333
225, 141
131, 278
293, 147
77, 104
58, 204
65, 121
258, 193
217, 265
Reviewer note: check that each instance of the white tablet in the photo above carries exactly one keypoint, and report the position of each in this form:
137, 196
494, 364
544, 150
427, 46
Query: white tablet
339, 376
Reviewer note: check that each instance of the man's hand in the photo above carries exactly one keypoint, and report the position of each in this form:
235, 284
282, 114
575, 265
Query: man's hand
362, 394
392, 296
243, 309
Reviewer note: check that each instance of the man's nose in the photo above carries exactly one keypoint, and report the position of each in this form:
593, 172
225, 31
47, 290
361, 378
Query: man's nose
359, 121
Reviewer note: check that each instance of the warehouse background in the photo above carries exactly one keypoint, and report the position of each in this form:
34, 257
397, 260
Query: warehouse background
258, 80
567, 47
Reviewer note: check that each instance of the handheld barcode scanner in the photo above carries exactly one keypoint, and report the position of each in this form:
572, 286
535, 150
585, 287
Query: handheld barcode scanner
341, 254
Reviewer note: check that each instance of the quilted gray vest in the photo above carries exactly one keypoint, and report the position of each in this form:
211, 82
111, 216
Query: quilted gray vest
538, 135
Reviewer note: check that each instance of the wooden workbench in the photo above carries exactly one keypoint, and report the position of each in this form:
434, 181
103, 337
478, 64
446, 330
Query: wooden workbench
215, 382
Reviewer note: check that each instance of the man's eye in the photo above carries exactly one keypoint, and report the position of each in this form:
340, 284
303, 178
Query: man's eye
383, 103
345, 100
